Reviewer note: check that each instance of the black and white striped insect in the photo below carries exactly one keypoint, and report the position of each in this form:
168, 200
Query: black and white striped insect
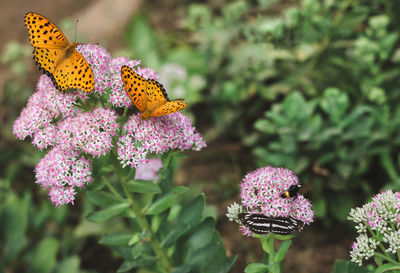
291, 192
261, 224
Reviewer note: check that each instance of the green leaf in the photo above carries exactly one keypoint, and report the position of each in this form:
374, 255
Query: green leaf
256, 268
281, 253
342, 266
189, 217
185, 268
108, 213
214, 254
166, 201
388, 268
44, 257
102, 199
142, 262
69, 265
202, 235
137, 250
143, 186
116, 239
14, 222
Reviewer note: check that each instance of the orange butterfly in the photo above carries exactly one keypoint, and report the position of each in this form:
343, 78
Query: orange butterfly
149, 96
56, 57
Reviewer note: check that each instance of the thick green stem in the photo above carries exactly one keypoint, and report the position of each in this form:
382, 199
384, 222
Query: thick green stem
267, 243
162, 256
111, 188
164, 261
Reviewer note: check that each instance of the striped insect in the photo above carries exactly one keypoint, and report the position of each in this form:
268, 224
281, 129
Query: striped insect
291, 192
261, 224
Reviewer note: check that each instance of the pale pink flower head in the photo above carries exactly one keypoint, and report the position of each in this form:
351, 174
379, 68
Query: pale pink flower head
149, 169
46, 104
261, 193
100, 63
156, 136
61, 170
90, 132
118, 96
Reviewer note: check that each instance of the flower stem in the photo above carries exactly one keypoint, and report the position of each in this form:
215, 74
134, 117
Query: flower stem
267, 243
162, 256
111, 188
144, 225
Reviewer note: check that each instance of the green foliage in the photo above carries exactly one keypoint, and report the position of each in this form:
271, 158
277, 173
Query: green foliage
320, 80
168, 231
341, 266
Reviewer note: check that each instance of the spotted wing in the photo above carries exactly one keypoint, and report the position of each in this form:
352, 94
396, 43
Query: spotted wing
156, 96
135, 86
73, 72
47, 58
79, 73
43, 33
261, 224
168, 108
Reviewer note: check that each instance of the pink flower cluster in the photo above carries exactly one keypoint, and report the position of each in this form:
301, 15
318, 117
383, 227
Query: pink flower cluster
261, 194
75, 127
148, 170
62, 170
90, 132
156, 135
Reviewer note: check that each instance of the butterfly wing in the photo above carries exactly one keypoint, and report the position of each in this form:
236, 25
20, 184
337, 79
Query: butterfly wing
43, 33
47, 58
156, 95
73, 72
168, 108
261, 224
79, 73
135, 86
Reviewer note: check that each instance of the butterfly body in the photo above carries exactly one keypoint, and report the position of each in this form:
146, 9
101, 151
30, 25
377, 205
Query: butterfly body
149, 96
262, 224
56, 57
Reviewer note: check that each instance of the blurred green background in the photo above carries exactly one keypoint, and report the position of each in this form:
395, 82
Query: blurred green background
309, 85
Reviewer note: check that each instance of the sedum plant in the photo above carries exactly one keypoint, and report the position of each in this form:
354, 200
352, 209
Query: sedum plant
270, 211
125, 165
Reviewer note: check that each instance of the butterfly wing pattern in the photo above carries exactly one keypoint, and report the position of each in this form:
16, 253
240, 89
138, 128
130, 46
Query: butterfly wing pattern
149, 96
56, 57
261, 224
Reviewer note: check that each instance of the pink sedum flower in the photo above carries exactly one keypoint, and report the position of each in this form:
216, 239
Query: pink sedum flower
72, 125
156, 135
148, 170
261, 194
118, 96
90, 132
61, 170
45, 138
100, 63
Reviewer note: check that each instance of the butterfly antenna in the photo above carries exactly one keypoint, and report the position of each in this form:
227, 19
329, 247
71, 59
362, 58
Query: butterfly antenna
76, 28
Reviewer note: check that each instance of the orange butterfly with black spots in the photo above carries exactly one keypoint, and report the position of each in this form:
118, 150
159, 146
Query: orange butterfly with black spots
56, 57
149, 96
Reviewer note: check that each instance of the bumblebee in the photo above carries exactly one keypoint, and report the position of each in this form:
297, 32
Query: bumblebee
291, 192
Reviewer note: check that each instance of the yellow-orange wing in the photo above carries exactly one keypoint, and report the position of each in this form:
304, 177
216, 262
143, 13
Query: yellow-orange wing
56, 57
158, 101
149, 96
168, 108
43, 33
75, 73
156, 95
135, 86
